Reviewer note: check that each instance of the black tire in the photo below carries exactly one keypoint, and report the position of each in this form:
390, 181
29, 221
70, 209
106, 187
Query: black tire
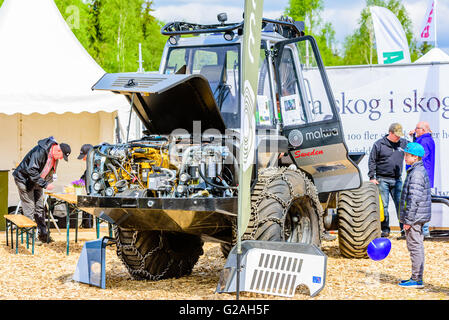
225, 249
358, 220
157, 255
284, 207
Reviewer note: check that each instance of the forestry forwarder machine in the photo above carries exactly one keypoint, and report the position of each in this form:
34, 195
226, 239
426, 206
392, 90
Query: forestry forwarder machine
176, 187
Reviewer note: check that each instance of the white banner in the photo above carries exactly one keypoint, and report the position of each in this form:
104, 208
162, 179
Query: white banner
391, 42
373, 97
427, 31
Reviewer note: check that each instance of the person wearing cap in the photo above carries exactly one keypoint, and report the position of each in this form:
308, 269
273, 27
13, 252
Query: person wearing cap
34, 174
87, 220
85, 148
415, 211
385, 165
422, 134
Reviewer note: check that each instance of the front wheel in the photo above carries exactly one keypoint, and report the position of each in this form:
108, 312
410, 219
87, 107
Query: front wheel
285, 207
156, 255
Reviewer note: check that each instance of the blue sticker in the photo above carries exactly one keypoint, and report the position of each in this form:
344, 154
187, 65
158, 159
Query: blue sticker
316, 279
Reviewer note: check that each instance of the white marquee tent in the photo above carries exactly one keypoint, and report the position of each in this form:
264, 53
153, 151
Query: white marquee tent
45, 89
434, 55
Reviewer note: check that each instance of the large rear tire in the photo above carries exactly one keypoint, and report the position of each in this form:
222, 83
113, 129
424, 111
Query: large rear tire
157, 255
358, 220
284, 207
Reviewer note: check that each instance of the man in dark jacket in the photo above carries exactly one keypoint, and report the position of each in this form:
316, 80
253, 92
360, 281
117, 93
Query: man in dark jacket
415, 211
34, 174
385, 165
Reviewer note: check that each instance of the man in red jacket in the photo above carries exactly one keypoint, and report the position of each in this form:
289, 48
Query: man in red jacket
34, 174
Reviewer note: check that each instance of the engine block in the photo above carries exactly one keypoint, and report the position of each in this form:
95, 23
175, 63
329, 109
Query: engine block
156, 171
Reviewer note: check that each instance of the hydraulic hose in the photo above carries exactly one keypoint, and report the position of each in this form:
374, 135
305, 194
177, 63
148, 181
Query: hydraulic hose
213, 184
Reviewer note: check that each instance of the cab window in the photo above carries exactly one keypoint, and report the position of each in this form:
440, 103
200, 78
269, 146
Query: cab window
290, 100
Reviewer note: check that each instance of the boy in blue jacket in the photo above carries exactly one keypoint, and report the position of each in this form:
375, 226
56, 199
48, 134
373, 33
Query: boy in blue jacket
415, 211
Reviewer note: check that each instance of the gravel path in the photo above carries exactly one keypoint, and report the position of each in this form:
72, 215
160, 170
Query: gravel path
47, 275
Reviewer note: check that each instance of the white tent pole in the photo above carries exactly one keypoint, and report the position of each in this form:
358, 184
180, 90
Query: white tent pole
435, 23
20, 137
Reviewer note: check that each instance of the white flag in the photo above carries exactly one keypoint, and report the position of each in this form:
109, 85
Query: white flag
427, 31
391, 42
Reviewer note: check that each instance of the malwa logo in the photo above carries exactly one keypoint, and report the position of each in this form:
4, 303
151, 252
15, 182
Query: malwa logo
319, 134
299, 154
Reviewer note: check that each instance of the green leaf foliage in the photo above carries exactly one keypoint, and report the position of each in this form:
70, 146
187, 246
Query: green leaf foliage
111, 31
310, 12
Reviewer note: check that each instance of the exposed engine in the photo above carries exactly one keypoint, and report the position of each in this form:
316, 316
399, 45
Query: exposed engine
153, 169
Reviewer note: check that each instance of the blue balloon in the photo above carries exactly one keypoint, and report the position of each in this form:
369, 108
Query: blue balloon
379, 248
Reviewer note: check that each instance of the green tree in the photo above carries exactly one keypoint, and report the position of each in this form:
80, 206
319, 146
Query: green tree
359, 48
76, 14
153, 40
310, 12
111, 31
307, 11
117, 28
120, 29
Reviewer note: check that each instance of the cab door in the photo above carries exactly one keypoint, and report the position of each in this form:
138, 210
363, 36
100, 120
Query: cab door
309, 117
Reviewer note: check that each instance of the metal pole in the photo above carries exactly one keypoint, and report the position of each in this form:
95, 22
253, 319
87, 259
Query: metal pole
129, 118
141, 70
118, 139
239, 240
239, 254
307, 54
68, 227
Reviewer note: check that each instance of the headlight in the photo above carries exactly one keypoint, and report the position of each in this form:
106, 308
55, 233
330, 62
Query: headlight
95, 176
98, 186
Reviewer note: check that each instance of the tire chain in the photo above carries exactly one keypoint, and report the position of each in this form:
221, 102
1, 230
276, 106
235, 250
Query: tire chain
141, 272
268, 175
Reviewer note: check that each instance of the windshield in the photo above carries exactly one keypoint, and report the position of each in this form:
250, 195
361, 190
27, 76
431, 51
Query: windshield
291, 101
219, 65
319, 102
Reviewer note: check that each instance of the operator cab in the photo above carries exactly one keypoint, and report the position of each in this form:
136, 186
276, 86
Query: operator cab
294, 97
219, 64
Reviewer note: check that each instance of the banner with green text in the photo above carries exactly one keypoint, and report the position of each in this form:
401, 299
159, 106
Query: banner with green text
391, 42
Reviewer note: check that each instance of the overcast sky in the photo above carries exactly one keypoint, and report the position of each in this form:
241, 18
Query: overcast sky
342, 14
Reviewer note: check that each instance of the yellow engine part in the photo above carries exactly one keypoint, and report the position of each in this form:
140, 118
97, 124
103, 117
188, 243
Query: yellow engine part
381, 209
143, 159
160, 159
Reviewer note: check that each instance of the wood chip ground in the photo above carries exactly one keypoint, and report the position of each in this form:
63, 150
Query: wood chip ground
48, 275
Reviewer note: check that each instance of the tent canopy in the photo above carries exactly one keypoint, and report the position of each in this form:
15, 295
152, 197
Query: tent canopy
434, 55
43, 66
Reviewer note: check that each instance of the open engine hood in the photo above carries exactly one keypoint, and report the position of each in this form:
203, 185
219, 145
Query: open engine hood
165, 103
